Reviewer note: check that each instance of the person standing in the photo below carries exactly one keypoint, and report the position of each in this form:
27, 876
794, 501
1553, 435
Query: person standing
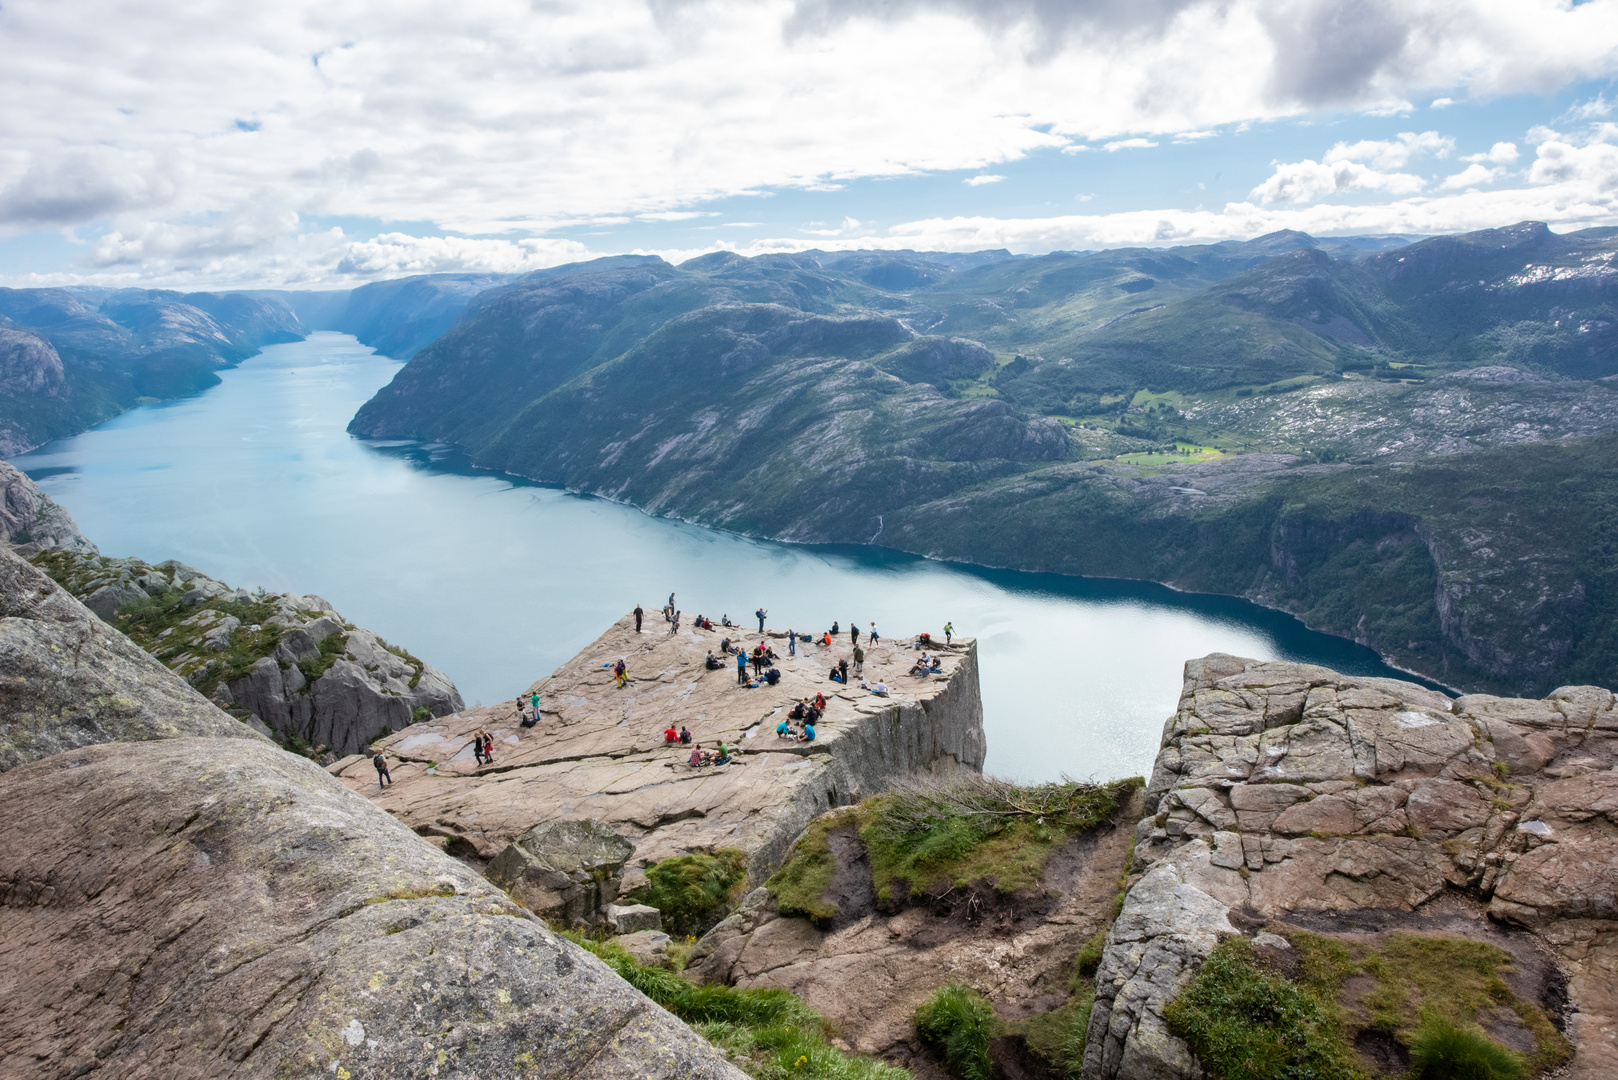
859, 660
674, 626
853, 632
533, 701
741, 666
875, 637
477, 746
382, 776
792, 643
761, 613
488, 749
949, 628
639, 615
842, 666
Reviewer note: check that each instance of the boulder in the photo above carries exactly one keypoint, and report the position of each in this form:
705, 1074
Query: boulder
565, 871
649, 947
632, 918
218, 908
106, 600
112, 689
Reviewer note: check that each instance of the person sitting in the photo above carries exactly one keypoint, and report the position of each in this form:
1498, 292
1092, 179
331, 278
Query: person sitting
924, 640
919, 667
685, 736
834, 629
808, 733
880, 689
811, 714
772, 676
670, 736
783, 730
936, 666
825, 639
820, 702
712, 663
836, 676
724, 620
697, 756
769, 654
724, 646
797, 712
723, 757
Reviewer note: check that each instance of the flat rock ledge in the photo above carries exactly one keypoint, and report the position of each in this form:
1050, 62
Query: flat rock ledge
1283, 788
598, 751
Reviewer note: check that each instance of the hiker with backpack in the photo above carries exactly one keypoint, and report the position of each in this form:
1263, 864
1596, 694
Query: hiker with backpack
382, 776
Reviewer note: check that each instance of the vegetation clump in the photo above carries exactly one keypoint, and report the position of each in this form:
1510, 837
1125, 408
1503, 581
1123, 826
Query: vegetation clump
958, 1023
693, 892
1426, 993
930, 833
770, 1034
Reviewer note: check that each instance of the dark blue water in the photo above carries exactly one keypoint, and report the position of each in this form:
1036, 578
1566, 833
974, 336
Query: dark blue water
497, 582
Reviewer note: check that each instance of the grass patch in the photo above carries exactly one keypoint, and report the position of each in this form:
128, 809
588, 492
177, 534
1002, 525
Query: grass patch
770, 1034
331, 647
693, 892
1428, 992
935, 834
954, 832
1440, 1050
799, 887
958, 1023
1243, 1024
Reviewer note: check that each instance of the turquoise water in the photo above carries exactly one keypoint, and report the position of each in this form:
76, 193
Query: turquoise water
496, 582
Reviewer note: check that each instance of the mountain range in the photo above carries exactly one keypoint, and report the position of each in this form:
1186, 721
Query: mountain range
1408, 443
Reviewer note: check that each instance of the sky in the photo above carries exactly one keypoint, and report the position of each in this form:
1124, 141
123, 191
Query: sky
325, 143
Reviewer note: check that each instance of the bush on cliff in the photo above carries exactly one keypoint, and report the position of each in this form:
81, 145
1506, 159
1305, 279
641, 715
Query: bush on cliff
693, 892
958, 1024
769, 1033
1440, 1050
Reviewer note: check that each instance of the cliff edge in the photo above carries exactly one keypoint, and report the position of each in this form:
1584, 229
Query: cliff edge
598, 750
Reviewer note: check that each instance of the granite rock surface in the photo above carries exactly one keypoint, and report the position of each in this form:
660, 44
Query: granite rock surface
68, 680
29, 517
1285, 788
208, 908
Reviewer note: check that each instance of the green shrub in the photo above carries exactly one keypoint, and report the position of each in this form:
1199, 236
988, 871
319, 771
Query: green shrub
770, 1032
693, 892
958, 1023
1245, 1025
1440, 1050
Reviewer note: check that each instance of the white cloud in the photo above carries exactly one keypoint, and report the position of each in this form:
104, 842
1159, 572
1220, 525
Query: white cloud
398, 255
1395, 153
1129, 144
167, 129
981, 179
1501, 153
1594, 109
1442, 103
1471, 176
1193, 136
1307, 180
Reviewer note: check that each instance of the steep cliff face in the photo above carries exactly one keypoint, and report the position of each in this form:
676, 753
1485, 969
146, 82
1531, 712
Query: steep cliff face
1290, 798
289, 662
598, 751
30, 518
190, 905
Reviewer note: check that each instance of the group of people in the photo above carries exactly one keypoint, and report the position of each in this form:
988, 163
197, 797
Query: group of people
799, 724
926, 666
483, 747
700, 757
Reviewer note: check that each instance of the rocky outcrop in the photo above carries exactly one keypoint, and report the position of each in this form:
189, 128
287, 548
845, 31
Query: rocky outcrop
189, 907
288, 661
30, 518
564, 871
598, 751
1284, 788
67, 680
